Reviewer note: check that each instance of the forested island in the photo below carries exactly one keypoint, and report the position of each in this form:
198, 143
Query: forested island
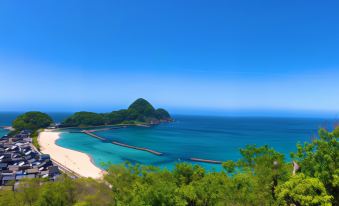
139, 112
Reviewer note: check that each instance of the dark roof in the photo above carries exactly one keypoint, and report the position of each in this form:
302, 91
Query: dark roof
3, 164
32, 171
8, 177
45, 156
53, 169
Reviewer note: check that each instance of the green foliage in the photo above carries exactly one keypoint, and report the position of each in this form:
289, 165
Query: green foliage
32, 121
302, 190
139, 112
35, 141
320, 159
162, 114
264, 166
84, 119
63, 192
141, 108
229, 166
116, 117
185, 173
142, 111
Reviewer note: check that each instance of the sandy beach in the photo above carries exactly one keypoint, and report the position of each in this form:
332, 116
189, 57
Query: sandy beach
76, 161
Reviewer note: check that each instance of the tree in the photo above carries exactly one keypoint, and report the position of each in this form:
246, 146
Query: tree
84, 119
32, 121
320, 159
140, 111
162, 114
117, 117
265, 165
302, 190
142, 107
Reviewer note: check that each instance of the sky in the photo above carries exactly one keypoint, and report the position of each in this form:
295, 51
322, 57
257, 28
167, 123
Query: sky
192, 56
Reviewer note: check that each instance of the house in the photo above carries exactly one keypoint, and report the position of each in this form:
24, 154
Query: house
18, 160
53, 170
6, 179
32, 171
44, 157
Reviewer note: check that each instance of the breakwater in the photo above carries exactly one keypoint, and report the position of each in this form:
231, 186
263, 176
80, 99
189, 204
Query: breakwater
205, 160
90, 133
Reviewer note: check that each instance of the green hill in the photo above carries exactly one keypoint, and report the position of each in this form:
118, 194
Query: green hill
83, 119
139, 112
32, 121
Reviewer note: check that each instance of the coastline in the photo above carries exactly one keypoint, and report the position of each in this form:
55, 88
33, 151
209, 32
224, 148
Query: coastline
75, 161
8, 128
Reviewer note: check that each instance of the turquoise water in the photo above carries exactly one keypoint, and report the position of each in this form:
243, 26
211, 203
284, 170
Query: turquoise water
217, 138
3, 132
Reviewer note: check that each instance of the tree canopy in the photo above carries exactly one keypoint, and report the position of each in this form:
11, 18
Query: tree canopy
83, 119
142, 107
303, 190
320, 159
140, 111
32, 121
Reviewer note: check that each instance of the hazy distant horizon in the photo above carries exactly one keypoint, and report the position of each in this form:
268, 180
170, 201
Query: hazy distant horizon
212, 112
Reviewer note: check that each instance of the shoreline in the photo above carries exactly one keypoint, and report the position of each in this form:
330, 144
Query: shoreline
8, 128
78, 162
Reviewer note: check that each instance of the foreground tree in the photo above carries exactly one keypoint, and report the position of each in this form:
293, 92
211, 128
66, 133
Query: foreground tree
63, 192
264, 166
320, 159
302, 190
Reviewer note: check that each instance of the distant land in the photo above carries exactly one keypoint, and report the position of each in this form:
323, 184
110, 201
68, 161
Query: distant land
139, 112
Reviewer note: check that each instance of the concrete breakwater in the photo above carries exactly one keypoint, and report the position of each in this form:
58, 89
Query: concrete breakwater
205, 160
137, 148
90, 133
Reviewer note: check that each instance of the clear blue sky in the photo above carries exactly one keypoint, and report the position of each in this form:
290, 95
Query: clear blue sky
194, 56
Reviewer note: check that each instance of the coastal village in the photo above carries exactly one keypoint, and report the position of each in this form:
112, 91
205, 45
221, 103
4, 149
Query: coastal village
20, 159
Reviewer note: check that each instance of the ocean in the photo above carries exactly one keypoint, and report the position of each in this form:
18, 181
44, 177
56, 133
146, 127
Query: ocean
215, 138
206, 137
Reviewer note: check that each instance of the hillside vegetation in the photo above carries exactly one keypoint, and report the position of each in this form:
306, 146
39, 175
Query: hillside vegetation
32, 121
260, 177
140, 111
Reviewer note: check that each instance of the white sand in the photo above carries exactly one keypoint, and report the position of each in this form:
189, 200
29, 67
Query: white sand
76, 161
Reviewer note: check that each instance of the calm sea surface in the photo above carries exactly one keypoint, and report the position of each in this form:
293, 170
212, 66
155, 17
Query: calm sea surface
216, 138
